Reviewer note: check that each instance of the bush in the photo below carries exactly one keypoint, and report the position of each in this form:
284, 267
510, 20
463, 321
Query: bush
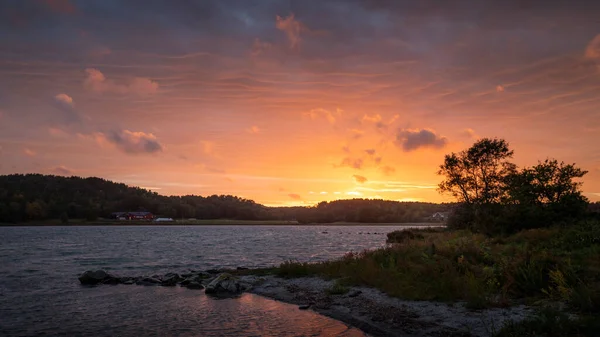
551, 323
403, 236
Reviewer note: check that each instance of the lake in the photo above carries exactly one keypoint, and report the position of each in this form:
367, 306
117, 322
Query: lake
41, 296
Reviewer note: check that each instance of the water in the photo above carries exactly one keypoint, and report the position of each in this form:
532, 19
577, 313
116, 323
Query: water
40, 293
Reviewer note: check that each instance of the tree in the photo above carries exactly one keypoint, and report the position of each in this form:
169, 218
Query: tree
477, 175
550, 186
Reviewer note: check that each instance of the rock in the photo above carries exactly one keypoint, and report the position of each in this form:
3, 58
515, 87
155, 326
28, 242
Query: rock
225, 284
93, 277
170, 282
126, 280
354, 293
304, 307
148, 281
194, 285
187, 281
242, 268
213, 271
112, 280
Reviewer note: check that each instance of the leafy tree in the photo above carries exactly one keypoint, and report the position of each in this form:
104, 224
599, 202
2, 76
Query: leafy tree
477, 175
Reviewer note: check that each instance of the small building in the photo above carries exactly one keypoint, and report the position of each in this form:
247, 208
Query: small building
140, 216
440, 216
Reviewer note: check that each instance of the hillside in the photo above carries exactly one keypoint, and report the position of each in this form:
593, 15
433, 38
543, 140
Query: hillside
35, 197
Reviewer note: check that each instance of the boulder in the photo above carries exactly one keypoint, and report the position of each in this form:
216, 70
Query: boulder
148, 281
171, 280
94, 277
225, 284
194, 285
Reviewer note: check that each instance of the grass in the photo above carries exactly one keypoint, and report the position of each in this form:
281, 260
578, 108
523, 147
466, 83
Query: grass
551, 323
553, 264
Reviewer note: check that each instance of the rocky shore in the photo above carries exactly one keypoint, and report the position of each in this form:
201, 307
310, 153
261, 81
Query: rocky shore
365, 308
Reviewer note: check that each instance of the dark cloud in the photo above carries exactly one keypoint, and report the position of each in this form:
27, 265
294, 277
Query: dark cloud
132, 142
412, 139
360, 179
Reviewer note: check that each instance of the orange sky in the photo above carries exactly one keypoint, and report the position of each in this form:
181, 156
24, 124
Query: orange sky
293, 102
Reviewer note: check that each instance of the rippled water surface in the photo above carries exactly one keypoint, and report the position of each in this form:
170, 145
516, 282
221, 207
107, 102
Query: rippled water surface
40, 294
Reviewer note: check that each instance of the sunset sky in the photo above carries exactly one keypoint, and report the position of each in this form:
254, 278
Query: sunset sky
293, 102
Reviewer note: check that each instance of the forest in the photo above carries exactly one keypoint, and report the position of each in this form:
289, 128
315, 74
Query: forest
36, 197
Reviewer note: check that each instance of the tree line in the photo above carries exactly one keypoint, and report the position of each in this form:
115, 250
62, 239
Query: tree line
36, 197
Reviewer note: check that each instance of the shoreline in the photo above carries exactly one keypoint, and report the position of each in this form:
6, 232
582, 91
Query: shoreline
222, 223
368, 309
378, 314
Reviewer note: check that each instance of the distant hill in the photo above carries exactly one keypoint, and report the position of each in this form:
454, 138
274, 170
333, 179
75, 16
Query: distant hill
35, 197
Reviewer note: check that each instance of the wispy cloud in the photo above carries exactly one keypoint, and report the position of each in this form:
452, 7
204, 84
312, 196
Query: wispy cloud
62, 171
592, 51
360, 179
292, 29
97, 82
29, 152
253, 129
295, 196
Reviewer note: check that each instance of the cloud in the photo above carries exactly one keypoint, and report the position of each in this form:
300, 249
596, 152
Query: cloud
469, 133
387, 170
412, 139
97, 82
66, 105
57, 133
356, 133
253, 129
356, 163
360, 179
499, 88
131, 142
378, 121
370, 152
592, 51
259, 47
295, 196
29, 152
292, 29
315, 113
372, 118
62, 171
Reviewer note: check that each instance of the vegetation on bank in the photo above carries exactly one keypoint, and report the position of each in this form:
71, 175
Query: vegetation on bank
518, 236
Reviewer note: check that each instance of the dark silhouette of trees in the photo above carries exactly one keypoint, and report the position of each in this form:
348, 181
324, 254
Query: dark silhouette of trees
35, 197
495, 196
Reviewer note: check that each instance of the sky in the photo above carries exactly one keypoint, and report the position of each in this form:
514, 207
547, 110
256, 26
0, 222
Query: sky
291, 102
